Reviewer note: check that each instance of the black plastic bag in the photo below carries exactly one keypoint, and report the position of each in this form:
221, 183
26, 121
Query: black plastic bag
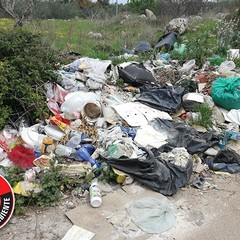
167, 41
182, 135
167, 98
226, 160
136, 75
141, 47
156, 173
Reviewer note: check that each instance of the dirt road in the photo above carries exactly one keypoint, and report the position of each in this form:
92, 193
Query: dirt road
200, 214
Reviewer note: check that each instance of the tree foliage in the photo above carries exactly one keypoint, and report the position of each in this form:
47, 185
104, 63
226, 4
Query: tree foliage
25, 65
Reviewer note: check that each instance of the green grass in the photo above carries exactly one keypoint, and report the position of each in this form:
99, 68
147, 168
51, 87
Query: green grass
205, 118
72, 35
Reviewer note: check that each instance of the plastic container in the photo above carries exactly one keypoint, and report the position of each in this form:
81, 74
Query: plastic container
226, 66
188, 66
64, 151
93, 110
95, 195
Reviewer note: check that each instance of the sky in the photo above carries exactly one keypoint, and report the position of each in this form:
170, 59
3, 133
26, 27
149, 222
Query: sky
119, 1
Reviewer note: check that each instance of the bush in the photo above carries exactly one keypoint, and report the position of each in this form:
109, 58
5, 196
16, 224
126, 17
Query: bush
25, 65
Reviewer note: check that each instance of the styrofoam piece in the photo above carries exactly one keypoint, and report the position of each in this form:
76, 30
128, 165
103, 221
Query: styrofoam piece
54, 131
137, 114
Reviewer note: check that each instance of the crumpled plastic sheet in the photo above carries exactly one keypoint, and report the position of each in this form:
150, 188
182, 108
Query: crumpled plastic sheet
92, 68
151, 215
156, 173
55, 91
167, 98
183, 135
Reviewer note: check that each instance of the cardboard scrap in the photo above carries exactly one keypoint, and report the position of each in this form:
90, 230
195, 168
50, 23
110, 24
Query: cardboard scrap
78, 233
91, 219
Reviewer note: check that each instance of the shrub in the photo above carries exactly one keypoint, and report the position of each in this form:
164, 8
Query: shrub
25, 65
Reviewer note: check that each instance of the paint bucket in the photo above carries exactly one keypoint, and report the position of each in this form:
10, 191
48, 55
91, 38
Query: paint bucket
92, 110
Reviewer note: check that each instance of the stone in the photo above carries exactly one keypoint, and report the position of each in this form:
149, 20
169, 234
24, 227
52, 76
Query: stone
93, 35
178, 25
150, 15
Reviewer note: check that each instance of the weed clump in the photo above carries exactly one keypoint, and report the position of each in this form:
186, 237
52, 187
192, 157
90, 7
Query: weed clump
205, 117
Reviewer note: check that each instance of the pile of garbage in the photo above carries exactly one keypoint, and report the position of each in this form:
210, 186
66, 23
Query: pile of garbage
144, 130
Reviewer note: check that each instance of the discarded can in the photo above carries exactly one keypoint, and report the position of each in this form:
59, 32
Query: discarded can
95, 195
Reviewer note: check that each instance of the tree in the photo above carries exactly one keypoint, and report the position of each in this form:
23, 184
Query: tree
103, 3
25, 11
139, 6
87, 8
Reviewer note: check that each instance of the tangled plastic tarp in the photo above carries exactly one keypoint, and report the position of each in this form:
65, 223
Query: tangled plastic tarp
156, 173
182, 135
167, 40
141, 47
226, 161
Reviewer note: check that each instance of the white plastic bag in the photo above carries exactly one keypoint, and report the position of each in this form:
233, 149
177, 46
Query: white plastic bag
75, 102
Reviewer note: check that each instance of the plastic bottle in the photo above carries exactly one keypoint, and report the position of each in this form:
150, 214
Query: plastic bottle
234, 135
95, 195
226, 66
188, 66
64, 151
85, 156
74, 141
